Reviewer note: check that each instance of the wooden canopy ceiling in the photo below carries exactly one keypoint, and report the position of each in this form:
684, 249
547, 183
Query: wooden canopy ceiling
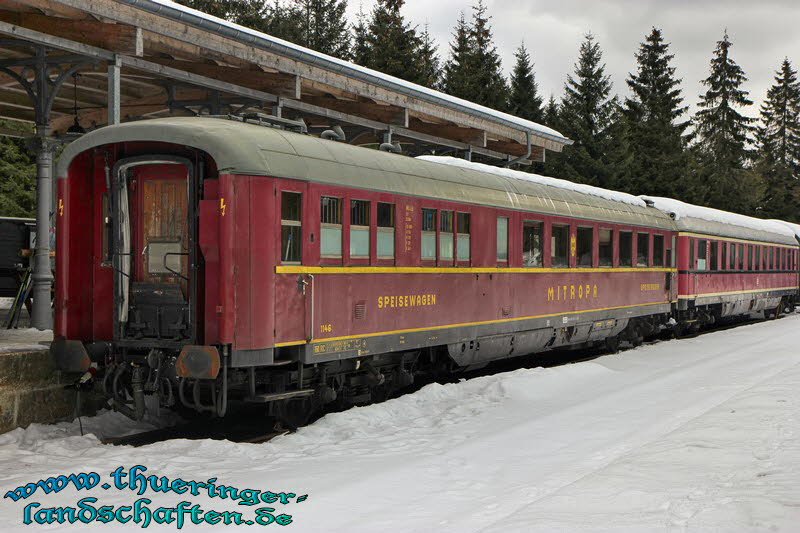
169, 66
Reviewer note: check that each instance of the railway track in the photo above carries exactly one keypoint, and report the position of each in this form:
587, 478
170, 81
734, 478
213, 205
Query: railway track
240, 428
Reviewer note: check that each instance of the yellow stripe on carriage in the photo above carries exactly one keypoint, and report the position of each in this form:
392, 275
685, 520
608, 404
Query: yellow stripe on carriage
753, 291
297, 269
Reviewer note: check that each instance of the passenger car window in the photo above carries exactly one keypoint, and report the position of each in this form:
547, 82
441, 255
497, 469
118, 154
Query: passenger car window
330, 227
713, 256
385, 240
642, 245
740, 255
502, 238
428, 241
462, 236
291, 243
584, 246
559, 246
532, 236
446, 235
606, 247
625, 248
359, 229
701, 254
658, 250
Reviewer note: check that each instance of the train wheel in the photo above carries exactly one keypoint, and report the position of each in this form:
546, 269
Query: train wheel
295, 412
612, 344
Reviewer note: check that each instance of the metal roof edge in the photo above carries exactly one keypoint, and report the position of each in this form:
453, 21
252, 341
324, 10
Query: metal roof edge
330, 63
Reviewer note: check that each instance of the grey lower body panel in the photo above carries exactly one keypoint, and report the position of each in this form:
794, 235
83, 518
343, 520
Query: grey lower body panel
578, 327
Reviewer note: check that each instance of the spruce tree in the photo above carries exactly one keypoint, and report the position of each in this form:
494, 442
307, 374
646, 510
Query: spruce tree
779, 146
585, 116
655, 132
430, 71
551, 113
488, 82
360, 50
323, 26
722, 136
457, 78
17, 178
392, 44
524, 100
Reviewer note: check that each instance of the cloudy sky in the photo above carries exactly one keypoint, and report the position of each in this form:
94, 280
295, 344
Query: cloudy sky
763, 32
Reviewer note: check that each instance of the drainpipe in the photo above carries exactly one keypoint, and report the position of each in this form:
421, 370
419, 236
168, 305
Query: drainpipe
527, 153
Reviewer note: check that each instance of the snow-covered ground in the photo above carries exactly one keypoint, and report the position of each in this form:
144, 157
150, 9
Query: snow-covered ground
699, 434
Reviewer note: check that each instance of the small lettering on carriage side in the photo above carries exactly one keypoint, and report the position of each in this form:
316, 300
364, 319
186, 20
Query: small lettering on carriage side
406, 300
560, 293
409, 227
650, 287
347, 345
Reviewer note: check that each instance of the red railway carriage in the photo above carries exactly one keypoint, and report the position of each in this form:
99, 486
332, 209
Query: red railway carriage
731, 264
212, 261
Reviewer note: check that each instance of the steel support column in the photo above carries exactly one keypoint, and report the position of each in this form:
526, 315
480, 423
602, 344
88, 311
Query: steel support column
48, 73
41, 314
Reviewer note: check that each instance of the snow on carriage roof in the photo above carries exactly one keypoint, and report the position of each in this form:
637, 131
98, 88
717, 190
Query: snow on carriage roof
684, 210
341, 65
608, 194
791, 225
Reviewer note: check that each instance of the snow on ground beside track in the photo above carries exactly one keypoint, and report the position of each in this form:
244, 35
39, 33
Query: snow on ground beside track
697, 434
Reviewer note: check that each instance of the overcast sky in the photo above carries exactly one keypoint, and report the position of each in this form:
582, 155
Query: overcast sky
763, 32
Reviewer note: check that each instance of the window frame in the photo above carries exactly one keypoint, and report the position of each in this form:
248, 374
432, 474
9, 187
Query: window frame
458, 217
291, 223
331, 225
428, 233
647, 236
567, 255
600, 262
591, 232
359, 227
541, 225
629, 260
497, 242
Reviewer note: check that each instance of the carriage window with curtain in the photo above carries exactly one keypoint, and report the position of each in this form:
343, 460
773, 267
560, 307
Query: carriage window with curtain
385, 231
702, 251
606, 247
658, 250
642, 244
462, 236
740, 255
330, 241
502, 238
625, 248
757, 265
585, 242
359, 229
446, 235
428, 241
559, 246
532, 240
713, 256
291, 243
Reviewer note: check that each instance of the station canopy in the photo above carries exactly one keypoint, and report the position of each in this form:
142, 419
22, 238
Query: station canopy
120, 60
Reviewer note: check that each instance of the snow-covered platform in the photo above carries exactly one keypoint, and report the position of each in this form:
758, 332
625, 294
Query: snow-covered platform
698, 434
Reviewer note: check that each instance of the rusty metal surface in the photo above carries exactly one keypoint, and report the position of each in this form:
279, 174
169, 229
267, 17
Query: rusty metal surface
199, 362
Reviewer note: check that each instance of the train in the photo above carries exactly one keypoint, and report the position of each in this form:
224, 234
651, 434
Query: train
207, 264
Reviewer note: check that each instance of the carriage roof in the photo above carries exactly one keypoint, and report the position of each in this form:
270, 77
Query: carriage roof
249, 149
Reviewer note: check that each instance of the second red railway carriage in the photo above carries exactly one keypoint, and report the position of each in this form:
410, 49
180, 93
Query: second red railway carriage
207, 261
